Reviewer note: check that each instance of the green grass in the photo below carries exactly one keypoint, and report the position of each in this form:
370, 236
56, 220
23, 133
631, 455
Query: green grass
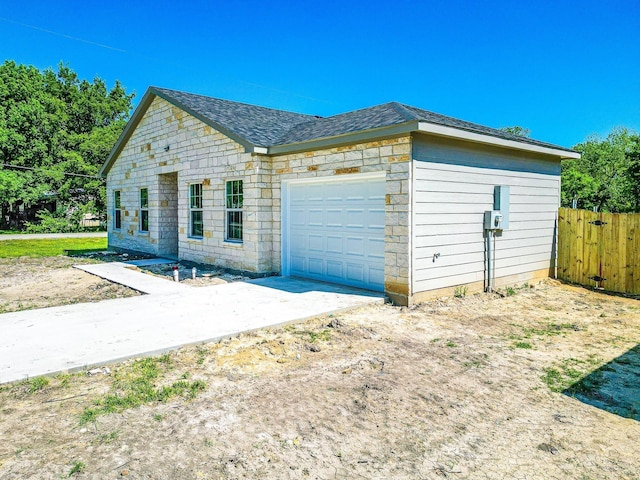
10, 232
460, 292
50, 247
569, 375
324, 335
525, 345
37, 383
138, 384
77, 467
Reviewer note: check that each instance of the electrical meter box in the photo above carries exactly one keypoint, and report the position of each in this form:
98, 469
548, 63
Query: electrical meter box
501, 203
493, 220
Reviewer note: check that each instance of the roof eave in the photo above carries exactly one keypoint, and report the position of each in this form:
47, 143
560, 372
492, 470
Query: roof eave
444, 131
139, 112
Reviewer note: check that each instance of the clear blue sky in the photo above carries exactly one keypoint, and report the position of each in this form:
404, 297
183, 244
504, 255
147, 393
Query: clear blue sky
563, 69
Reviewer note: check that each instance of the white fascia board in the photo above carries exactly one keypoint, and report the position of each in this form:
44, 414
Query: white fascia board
444, 131
260, 150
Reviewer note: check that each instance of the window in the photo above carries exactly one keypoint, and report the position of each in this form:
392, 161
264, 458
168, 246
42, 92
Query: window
117, 213
144, 209
234, 210
195, 209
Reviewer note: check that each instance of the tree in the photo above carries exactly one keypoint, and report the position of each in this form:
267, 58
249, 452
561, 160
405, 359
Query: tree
603, 177
517, 130
55, 132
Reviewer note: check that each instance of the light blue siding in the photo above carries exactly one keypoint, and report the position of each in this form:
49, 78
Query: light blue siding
453, 185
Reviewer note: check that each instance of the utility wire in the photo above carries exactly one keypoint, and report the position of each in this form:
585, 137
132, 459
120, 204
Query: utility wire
64, 173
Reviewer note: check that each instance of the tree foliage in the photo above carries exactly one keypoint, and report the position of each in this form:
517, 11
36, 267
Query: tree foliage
52, 124
607, 177
517, 130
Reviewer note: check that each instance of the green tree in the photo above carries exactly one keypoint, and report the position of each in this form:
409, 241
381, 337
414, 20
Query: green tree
52, 124
602, 178
517, 130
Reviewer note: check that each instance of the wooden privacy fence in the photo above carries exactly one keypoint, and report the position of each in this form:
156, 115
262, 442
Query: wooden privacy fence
600, 249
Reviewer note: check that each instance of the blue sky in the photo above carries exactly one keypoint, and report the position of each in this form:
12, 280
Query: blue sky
563, 69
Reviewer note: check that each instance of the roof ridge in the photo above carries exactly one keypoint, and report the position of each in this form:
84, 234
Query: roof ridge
208, 97
403, 110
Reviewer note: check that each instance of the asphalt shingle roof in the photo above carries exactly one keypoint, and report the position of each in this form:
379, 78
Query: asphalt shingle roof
266, 127
259, 125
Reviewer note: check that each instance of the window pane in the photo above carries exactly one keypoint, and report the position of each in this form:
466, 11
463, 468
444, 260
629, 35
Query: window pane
116, 198
234, 225
195, 195
144, 198
144, 220
196, 223
117, 219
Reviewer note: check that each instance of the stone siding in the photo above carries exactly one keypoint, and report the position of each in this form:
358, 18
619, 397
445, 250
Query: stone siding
170, 141
392, 156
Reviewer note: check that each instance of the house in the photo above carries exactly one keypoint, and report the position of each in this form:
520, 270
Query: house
389, 198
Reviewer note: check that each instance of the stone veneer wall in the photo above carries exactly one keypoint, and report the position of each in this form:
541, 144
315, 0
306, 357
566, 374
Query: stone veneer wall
197, 154
392, 156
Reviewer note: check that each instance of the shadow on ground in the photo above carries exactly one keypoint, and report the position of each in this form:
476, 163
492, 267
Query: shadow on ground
614, 387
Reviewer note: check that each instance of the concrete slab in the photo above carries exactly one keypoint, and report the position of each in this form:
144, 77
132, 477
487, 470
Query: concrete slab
127, 274
73, 337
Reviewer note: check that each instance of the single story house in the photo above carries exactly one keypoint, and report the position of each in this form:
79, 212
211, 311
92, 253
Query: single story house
388, 198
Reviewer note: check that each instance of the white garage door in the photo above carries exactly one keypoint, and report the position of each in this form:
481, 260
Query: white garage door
336, 231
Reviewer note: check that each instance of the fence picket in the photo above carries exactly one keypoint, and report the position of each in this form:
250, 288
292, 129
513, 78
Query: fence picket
610, 250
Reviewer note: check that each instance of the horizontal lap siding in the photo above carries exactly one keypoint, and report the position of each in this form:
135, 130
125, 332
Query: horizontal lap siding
453, 186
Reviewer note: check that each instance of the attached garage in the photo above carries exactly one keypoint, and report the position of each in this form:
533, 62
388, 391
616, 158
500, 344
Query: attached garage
334, 230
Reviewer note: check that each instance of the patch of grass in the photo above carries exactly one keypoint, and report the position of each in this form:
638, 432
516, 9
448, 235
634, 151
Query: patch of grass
37, 383
202, 353
49, 247
451, 344
9, 232
524, 345
324, 335
510, 291
77, 467
548, 330
158, 417
138, 384
460, 292
569, 375
108, 437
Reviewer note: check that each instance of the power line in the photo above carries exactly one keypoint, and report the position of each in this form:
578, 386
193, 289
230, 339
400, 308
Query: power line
7, 165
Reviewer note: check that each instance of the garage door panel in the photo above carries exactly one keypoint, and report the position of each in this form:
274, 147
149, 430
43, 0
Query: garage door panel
336, 231
316, 266
335, 217
375, 248
355, 272
334, 269
316, 243
355, 246
335, 244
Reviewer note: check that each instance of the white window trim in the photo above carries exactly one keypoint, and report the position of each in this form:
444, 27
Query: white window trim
191, 210
228, 210
146, 209
117, 208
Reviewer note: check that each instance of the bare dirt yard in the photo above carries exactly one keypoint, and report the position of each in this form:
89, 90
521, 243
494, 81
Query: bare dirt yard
542, 383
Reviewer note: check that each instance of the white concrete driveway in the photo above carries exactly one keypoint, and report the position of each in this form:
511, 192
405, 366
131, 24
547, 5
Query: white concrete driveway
73, 337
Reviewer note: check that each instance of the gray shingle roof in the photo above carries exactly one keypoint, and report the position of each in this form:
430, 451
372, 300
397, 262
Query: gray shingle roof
267, 127
259, 125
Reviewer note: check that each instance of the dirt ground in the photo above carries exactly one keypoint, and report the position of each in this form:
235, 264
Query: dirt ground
28, 283
541, 384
